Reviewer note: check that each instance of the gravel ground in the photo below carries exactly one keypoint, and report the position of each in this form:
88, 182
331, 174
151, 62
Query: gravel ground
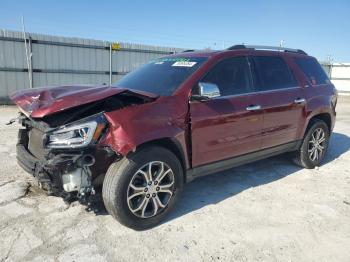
267, 211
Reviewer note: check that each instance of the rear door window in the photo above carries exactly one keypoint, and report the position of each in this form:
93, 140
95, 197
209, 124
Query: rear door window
272, 73
313, 71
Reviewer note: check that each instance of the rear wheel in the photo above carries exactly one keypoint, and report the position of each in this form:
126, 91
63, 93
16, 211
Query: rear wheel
314, 145
140, 190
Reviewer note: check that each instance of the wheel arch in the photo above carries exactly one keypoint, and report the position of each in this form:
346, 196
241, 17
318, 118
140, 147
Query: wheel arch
325, 117
173, 146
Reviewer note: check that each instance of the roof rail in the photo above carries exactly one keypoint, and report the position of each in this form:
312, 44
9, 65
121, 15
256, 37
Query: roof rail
263, 47
188, 50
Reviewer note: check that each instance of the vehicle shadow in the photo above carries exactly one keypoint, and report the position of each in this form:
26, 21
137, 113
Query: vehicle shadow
338, 145
215, 188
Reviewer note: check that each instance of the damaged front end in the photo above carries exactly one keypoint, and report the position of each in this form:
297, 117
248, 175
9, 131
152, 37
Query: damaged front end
63, 150
67, 161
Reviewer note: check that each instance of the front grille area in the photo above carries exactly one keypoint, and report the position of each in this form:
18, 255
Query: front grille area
35, 143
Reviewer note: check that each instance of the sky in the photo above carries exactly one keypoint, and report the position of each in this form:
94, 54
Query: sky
321, 28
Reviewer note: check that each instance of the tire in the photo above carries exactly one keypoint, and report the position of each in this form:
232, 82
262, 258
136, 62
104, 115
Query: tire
119, 183
303, 156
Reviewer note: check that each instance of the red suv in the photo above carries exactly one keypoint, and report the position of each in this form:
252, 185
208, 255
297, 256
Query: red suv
172, 120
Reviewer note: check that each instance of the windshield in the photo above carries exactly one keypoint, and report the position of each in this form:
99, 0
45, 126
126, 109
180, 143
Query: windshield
162, 76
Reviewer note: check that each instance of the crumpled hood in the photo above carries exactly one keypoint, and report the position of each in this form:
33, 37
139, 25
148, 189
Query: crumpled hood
40, 102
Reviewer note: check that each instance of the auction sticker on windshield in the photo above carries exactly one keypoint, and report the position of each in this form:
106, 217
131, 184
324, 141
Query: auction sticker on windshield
184, 63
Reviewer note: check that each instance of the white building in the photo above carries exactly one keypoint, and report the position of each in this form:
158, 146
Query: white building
340, 76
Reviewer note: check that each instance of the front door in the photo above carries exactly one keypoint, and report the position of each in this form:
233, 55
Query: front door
229, 125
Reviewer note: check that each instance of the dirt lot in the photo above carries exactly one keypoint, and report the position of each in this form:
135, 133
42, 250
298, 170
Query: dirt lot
267, 211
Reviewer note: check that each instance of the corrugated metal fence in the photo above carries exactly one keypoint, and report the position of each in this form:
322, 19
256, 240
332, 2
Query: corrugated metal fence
61, 60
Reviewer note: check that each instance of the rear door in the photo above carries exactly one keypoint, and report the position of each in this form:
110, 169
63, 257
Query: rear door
282, 99
226, 126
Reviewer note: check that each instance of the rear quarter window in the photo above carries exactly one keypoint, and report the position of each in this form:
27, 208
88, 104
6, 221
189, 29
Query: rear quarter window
313, 71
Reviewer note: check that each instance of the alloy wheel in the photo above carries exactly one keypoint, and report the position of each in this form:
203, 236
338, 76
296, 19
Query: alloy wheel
317, 144
150, 189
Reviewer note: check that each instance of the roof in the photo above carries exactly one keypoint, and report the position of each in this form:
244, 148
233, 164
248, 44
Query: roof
240, 48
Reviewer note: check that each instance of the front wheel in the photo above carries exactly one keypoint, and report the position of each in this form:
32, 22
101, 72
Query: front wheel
314, 145
140, 190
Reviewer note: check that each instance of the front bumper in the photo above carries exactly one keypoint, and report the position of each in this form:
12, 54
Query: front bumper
26, 160
50, 169
48, 173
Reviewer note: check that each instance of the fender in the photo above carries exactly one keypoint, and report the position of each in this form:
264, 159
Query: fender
133, 126
318, 105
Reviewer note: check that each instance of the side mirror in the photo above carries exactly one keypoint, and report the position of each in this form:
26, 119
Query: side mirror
206, 91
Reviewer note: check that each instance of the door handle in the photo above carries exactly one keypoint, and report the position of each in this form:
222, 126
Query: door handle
253, 107
300, 101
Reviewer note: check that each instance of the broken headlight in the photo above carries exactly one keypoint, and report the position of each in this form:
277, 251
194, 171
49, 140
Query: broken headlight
75, 135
